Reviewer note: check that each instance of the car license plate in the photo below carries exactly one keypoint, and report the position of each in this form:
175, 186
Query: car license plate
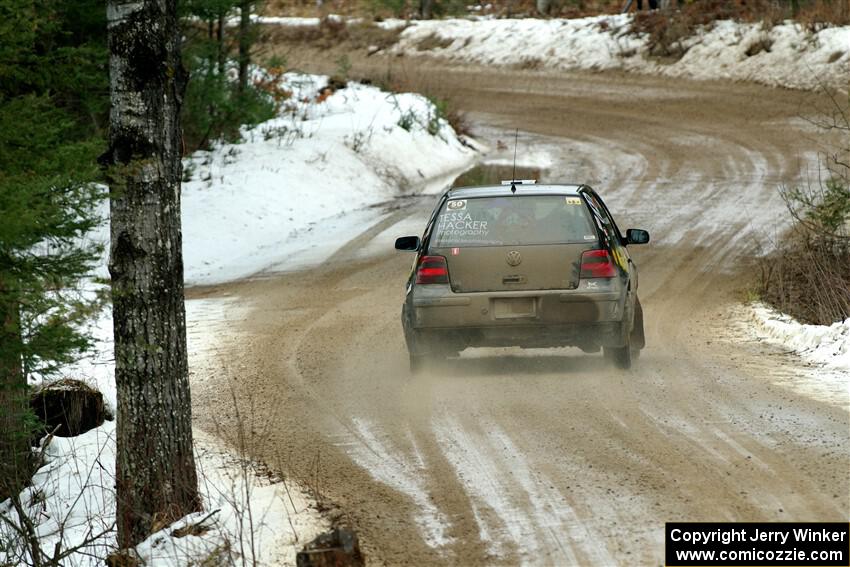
515, 307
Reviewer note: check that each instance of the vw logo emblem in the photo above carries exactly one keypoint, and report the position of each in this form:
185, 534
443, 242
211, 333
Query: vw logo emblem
514, 258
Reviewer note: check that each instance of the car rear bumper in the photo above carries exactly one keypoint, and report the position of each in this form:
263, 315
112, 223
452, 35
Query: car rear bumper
441, 308
587, 317
586, 336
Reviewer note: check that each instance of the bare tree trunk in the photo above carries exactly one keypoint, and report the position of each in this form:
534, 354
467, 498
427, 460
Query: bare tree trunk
426, 9
155, 477
244, 43
14, 442
220, 42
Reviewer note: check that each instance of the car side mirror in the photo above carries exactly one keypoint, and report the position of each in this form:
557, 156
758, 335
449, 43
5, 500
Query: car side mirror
409, 243
636, 236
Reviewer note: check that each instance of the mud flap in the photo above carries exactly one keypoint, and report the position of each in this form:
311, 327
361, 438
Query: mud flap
638, 339
409, 332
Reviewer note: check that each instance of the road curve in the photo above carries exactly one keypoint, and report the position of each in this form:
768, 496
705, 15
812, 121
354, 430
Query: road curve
552, 457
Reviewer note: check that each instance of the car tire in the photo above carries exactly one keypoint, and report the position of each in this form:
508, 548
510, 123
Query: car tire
417, 363
638, 339
620, 356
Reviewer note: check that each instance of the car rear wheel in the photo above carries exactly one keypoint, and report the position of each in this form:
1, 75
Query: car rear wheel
417, 363
620, 356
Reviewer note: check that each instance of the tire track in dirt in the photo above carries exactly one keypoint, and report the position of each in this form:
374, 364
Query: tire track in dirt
505, 457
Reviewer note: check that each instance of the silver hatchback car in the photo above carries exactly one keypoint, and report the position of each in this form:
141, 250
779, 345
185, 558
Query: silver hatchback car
521, 264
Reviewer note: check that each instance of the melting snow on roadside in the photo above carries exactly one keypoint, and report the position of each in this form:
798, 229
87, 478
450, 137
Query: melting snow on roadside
826, 348
72, 500
296, 185
298, 178
824, 345
787, 55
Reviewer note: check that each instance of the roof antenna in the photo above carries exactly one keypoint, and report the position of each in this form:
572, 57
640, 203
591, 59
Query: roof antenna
513, 174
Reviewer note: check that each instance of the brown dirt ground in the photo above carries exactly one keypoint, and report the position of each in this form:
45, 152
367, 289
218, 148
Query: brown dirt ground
554, 459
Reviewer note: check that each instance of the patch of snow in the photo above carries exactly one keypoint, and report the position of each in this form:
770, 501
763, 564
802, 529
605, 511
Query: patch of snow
280, 21
253, 205
393, 24
72, 503
537, 158
289, 196
306, 22
295, 190
388, 466
513, 503
279, 516
826, 348
796, 57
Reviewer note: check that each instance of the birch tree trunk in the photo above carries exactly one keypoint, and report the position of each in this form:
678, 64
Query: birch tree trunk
155, 471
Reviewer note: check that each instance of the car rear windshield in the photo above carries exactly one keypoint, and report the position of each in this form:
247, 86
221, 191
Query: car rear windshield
515, 220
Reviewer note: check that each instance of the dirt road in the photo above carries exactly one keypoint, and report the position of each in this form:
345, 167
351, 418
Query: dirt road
552, 457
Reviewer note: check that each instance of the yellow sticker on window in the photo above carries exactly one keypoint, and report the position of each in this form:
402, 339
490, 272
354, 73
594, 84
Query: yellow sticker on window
573, 200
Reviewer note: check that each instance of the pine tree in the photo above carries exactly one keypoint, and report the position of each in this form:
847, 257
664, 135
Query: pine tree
52, 98
216, 104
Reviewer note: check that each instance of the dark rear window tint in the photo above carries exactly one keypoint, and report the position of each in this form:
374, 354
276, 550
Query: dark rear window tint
495, 221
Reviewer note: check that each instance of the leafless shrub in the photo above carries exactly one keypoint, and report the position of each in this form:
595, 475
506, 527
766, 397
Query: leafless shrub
35, 535
459, 121
808, 275
818, 14
667, 31
530, 63
433, 41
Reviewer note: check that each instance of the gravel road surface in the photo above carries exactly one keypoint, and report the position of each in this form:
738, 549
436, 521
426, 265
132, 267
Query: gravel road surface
550, 457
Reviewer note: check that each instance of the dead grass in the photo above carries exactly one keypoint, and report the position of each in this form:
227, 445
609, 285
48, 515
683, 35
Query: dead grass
433, 41
459, 121
814, 14
808, 277
333, 33
808, 274
817, 14
668, 30
530, 63
502, 8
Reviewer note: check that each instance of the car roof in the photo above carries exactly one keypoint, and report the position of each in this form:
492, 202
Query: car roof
505, 190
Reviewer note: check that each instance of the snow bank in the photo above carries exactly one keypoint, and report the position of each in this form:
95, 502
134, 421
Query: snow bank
297, 188
827, 346
796, 58
823, 373
72, 501
250, 206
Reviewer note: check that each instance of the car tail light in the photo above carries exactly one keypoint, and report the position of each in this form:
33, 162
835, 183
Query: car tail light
432, 270
597, 264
